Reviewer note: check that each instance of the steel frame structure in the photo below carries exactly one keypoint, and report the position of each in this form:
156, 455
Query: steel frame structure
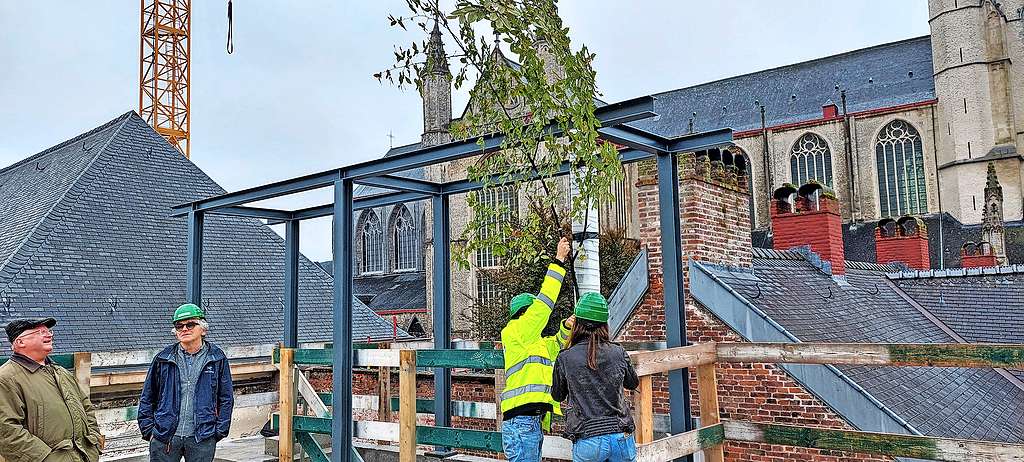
164, 69
638, 145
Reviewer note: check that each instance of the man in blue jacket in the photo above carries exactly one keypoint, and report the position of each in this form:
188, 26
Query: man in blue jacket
186, 402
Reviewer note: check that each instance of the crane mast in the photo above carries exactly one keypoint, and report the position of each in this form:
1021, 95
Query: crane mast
164, 50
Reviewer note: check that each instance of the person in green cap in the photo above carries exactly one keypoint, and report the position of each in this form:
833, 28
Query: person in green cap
526, 403
591, 373
187, 399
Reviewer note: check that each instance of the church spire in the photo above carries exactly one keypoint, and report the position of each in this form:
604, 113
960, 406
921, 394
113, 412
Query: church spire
992, 217
436, 92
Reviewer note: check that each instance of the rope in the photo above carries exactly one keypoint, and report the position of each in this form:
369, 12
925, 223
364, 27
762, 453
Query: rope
231, 43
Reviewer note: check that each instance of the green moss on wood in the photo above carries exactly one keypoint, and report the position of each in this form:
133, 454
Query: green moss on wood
838, 440
1011, 356
711, 436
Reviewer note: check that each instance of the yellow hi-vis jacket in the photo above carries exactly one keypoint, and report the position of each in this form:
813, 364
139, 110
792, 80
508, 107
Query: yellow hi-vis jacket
530, 358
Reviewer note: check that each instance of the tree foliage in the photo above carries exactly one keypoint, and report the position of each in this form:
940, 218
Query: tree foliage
490, 316
543, 103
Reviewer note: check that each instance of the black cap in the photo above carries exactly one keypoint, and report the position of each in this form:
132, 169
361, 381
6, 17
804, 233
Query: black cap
16, 327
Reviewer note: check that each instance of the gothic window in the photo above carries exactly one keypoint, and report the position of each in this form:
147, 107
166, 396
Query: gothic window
899, 159
504, 199
811, 159
403, 241
372, 244
486, 290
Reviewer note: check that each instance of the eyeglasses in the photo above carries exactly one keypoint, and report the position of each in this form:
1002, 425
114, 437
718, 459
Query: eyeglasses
44, 331
180, 326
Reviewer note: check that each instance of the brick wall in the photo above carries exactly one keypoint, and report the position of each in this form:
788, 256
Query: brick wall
910, 250
715, 228
821, 229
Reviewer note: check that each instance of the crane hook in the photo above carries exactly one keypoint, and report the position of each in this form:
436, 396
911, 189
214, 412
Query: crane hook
231, 43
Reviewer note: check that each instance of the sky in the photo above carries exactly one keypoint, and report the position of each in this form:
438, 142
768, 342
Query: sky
297, 95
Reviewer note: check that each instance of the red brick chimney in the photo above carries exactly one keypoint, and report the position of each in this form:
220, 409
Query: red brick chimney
809, 217
904, 240
978, 255
829, 111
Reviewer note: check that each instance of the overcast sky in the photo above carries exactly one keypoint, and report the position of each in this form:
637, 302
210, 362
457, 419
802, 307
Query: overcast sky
297, 95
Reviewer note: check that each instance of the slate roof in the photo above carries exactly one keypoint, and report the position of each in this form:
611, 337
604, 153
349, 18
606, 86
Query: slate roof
881, 76
812, 306
86, 237
394, 291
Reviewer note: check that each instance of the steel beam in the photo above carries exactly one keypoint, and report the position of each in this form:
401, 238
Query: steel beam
634, 138
674, 291
280, 188
291, 284
194, 259
341, 425
401, 184
442, 310
254, 212
701, 141
610, 115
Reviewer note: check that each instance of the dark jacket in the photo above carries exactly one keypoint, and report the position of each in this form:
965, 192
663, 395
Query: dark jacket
597, 405
161, 401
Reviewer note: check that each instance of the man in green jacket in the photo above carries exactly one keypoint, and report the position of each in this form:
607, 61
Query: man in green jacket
44, 416
526, 403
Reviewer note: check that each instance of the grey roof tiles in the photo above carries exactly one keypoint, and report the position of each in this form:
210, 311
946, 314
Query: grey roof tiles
89, 240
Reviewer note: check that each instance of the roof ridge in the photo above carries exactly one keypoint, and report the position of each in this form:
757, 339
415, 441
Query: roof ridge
112, 122
13, 265
796, 64
956, 272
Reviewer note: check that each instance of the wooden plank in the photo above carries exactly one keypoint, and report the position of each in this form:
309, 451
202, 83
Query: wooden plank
654, 362
683, 444
916, 354
470, 359
645, 410
304, 423
310, 395
286, 395
707, 392
381, 431
407, 411
459, 438
499, 387
885, 444
376, 358
112, 381
65, 360
364, 357
556, 447
311, 447
83, 371
384, 394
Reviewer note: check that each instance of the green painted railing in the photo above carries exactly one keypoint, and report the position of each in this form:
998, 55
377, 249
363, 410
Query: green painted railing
65, 360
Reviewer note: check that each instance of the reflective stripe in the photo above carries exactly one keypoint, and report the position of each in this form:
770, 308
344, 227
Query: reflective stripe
562, 337
555, 274
532, 388
547, 301
530, 360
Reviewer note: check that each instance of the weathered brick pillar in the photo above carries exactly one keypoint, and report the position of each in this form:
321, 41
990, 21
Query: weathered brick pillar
715, 228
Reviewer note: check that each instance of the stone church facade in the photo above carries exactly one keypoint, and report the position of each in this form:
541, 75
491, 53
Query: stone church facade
904, 128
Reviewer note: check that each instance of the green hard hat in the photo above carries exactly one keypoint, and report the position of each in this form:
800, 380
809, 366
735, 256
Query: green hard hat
187, 311
519, 302
592, 307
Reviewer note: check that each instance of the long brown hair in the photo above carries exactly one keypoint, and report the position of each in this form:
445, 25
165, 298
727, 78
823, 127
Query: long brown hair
596, 332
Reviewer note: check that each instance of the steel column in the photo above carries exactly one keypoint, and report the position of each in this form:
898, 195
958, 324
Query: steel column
194, 259
674, 292
341, 424
291, 284
442, 310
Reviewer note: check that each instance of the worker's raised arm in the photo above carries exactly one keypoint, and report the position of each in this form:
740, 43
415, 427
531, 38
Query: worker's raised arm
527, 327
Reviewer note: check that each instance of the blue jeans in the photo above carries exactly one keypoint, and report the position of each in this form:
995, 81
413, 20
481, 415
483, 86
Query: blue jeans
522, 438
616, 447
186, 447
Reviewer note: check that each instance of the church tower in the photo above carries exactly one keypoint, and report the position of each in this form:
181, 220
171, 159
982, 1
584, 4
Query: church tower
992, 224
436, 91
980, 112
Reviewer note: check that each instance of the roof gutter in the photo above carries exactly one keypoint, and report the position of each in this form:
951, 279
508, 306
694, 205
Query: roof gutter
851, 401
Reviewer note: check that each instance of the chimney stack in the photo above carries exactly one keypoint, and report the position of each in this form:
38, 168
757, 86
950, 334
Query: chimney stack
809, 217
829, 110
977, 255
904, 240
